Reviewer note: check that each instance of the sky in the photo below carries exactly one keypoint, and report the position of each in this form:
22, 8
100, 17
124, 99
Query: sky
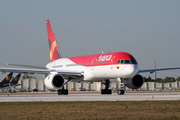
148, 30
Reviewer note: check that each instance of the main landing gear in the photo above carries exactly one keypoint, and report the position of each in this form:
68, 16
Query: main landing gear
121, 89
106, 90
62, 91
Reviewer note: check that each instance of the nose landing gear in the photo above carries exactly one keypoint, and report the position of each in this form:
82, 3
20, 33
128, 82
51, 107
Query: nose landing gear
121, 89
120, 92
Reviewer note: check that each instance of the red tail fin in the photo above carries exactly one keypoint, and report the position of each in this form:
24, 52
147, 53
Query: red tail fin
53, 49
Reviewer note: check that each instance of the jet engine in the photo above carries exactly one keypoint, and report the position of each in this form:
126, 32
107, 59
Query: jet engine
54, 81
134, 82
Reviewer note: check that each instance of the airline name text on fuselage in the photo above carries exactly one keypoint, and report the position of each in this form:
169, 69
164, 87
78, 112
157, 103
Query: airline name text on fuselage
104, 58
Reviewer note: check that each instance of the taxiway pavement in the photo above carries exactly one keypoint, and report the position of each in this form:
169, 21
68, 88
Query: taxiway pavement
135, 96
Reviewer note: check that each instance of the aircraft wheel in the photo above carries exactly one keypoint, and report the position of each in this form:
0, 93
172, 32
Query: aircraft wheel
103, 91
66, 92
109, 91
120, 92
59, 92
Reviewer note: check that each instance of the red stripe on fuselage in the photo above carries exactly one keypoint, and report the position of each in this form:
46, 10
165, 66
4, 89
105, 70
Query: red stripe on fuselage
102, 59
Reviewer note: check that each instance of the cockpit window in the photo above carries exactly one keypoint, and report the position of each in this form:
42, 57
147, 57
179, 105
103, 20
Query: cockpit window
134, 61
122, 61
127, 61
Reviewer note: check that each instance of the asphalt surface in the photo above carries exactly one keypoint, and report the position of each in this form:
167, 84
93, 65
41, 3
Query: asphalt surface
89, 96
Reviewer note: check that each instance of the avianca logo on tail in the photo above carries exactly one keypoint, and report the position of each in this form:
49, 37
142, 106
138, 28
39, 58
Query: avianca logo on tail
53, 49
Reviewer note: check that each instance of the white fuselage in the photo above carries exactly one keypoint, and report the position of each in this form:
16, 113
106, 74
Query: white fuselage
95, 73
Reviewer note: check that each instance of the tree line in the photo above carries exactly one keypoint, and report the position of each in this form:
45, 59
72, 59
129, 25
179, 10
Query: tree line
160, 80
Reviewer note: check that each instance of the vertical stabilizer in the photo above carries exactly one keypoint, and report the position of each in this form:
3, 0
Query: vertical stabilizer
53, 49
15, 80
6, 80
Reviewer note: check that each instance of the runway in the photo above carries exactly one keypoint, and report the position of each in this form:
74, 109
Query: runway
11, 97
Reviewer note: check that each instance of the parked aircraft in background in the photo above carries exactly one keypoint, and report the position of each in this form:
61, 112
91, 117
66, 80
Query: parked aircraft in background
90, 68
5, 82
14, 82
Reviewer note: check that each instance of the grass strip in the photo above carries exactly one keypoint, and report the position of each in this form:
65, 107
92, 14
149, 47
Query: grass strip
131, 110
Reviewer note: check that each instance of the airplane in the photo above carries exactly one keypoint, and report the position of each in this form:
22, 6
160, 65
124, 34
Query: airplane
90, 68
14, 81
5, 82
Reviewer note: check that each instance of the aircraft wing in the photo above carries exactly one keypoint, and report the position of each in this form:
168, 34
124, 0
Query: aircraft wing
158, 69
28, 71
29, 66
66, 74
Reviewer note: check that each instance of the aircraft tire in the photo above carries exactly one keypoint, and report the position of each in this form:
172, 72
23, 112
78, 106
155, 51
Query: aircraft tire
65, 92
59, 92
109, 91
120, 92
103, 91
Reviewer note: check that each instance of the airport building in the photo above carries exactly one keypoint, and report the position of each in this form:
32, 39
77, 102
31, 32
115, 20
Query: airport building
29, 84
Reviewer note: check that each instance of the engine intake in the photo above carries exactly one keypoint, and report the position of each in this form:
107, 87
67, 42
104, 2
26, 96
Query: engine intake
54, 81
134, 82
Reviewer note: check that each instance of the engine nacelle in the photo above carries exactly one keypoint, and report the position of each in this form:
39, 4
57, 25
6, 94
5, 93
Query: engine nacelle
54, 81
134, 82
